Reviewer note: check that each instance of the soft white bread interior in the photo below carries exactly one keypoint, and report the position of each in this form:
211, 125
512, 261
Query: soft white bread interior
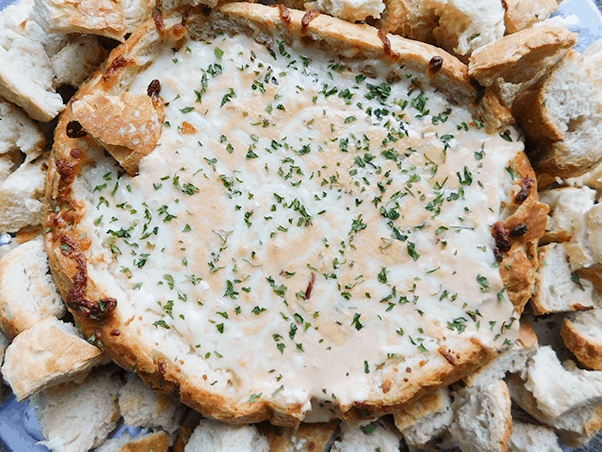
140, 406
414, 19
21, 196
214, 435
522, 14
78, 417
136, 12
558, 288
26, 75
466, 25
426, 419
49, 353
482, 418
532, 438
583, 336
28, 292
97, 17
568, 207
562, 114
77, 59
367, 437
19, 132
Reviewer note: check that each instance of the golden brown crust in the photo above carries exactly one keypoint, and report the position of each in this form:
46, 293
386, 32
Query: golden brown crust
515, 58
587, 352
107, 324
521, 14
159, 442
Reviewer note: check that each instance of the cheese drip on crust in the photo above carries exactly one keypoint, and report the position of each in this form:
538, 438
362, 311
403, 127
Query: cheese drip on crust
306, 228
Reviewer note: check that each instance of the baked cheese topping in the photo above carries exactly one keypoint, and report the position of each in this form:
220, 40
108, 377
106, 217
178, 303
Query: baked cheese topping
305, 225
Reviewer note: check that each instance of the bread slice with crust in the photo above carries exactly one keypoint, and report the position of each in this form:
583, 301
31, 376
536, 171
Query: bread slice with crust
521, 14
96, 17
48, 353
414, 19
558, 288
516, 61
562, 115
19, 132
317, 437
147, 442
79, 57
426, 419
582, 335
27, 291
367, 437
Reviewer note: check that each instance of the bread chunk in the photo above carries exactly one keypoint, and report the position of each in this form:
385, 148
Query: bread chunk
78, 417
316, 437
19, 132
568, 207
521, 14
425, 419
482, 418
583, 336
48, 353
77, 60
532, 438
97, 17
26, 76
136, 12
27, 291
414, 19
558, 289
21, 195
465, 25
562, 114
140, 406
103, 117
213, 435
350, 10
366, 437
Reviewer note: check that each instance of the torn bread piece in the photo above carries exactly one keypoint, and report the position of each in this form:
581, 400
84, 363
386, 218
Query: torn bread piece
103, 116
19, 132
516, 61
513, 359
97, 17
562, 114
568, 207
46, 354
571, 402
21, 195
78, 417
27, 291
79, 57
26, 76
482, 418
316, 437
582, 335
414, 19
426, 419
146, 442
215, 435
367, 437
136, 12
466, 25
532, 438
522, 14
558, 288
140, 406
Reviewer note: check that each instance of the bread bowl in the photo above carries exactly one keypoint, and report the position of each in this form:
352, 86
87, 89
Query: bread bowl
436, 329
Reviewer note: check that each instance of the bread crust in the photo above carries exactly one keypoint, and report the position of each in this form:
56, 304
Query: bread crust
588, 352
67, 249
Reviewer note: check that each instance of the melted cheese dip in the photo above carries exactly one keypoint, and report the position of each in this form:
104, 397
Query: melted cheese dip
302, 227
